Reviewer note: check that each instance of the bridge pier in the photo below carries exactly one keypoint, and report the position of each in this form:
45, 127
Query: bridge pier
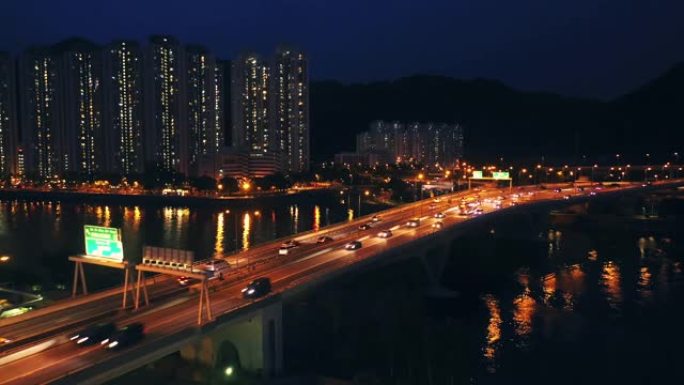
434, 259
251, 343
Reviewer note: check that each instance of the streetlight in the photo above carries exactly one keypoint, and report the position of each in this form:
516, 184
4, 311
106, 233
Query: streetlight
246, 186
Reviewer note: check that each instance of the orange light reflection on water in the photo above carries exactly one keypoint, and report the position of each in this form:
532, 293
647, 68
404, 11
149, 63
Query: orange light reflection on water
493, 327
610, 279
218, 244
317, 218
246, 230
524, 307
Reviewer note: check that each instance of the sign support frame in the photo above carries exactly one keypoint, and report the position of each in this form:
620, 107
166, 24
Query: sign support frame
79, 275
204, 305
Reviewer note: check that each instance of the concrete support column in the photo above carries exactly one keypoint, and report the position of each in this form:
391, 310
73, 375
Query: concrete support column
434, 260
272, 339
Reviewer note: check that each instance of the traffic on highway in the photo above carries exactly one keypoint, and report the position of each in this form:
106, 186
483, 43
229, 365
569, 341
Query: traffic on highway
77, 334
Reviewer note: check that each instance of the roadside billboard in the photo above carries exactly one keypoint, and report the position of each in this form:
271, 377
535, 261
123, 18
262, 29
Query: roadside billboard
103, 242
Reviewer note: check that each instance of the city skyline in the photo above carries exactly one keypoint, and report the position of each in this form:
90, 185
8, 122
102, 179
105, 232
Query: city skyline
126, 108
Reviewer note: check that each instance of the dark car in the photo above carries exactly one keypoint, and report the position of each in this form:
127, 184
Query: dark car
353, 245
364, 226
94, 334
257, 288
126, 336
324, 239
289, 244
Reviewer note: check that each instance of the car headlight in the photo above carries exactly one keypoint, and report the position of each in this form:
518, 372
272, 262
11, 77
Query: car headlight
104, 341
244, 290
74, 337
82, 340
250, 291
113, 344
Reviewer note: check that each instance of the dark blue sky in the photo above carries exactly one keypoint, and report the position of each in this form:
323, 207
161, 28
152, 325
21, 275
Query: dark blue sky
593, 48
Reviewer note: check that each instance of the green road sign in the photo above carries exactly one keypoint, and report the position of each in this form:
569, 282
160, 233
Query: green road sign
103, 242
477, 174
501, 175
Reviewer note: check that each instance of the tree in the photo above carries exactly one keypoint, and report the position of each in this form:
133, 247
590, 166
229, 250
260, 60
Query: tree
230, 185
204, 183
276, 181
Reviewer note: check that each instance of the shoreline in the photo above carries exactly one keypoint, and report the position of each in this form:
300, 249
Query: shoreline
161, 200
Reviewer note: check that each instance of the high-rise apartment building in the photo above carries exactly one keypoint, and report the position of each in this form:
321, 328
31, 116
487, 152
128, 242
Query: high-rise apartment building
201, 102
250, 106
8, 116
165, 128
123, 113
39, 113
80, 102
290, 108
221, 86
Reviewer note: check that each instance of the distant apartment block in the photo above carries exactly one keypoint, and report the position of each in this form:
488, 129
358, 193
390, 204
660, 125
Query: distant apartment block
8, 117
428, 144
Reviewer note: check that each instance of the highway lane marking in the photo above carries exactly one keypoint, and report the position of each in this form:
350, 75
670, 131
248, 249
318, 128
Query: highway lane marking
28, 352
314, 255
52, 363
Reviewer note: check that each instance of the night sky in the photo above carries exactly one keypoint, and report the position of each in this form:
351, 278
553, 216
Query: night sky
591, 48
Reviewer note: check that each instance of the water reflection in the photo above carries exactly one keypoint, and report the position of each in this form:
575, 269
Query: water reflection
218, 245
610, 280
549, 288
317, 218
137, 217
493, 331
296, 219
175, 220
523, 311
246, 230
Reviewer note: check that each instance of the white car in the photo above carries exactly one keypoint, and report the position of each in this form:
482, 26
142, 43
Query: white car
413, 223
286, 246
385, 234
439, 215
216, 268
